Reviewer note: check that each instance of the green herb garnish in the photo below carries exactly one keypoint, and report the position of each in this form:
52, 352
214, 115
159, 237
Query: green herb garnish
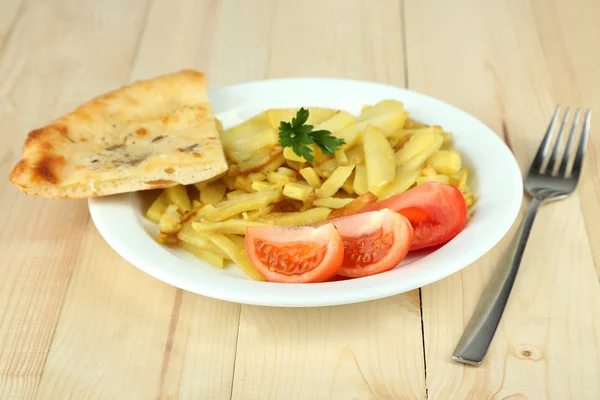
299, 136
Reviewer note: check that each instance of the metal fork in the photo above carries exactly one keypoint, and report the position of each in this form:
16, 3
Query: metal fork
545, 182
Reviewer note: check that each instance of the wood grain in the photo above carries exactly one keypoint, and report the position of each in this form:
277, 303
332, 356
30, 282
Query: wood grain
547, 343
364, 351
77, 321
45, 73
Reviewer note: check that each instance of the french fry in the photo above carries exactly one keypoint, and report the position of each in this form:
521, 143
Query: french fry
234, 193
278, 178
433, 178
326, 169
428, 170
213, 193
383, 107
187, 234
341, 158
312, 216
315, 115
228, 181
335, 181
418, 149
354, 206
379, 158
242, 183
412, 124
170, 220
336, 123
311, 176
240, 241
229, 227
360, 183
388, 123
402, 182
260, 159
348, 186
158, 207
286, 171
289, 154
355, 155
256, 177
262, 186
332, 202
297, 190
205, 255
261, 212
295, 165
178, 195
247, 202
237, 255
272, 165
447, 162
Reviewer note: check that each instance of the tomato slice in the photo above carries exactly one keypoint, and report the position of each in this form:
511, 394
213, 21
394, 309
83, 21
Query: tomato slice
374, 242
436, 211
295, 254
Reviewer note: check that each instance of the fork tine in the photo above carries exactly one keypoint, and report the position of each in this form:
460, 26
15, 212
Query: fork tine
538, 161
578, 163
562, 171
554, 157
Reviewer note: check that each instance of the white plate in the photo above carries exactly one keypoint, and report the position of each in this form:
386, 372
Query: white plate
498, 184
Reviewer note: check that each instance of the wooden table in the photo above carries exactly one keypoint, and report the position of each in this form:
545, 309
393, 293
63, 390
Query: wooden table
78, 322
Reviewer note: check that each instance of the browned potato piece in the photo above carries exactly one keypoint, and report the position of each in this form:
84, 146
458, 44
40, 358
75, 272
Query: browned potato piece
356, 205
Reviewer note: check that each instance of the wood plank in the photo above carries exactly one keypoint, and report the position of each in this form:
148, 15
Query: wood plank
40, 248
370, 350
172, 344
499, 63
10, 9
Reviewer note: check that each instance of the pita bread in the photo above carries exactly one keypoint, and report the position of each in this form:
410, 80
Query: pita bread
150, 134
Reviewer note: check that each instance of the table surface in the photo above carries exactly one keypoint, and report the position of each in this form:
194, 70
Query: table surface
78, 322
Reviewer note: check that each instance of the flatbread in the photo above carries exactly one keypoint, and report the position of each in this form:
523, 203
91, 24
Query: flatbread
150, 134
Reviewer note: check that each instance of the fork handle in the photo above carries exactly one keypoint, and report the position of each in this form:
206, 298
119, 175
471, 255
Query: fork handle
478, 334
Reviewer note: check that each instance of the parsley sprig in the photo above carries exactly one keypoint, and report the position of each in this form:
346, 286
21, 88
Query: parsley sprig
299, 136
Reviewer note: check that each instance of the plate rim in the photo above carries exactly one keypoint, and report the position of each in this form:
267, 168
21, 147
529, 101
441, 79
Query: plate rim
97, 212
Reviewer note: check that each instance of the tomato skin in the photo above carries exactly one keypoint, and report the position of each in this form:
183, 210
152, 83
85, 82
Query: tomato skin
280, 253
436, 211
374, 242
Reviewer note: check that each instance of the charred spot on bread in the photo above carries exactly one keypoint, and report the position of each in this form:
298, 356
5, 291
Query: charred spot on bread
47, 168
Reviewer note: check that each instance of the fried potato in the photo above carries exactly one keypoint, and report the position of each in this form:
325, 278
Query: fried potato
239, 241
158, 207
337, 122
326, 169
261, 212
348, 186
250, 144
229, 227
170, 220
236, 255
332, 202
383, 107
297, 190
256, 177
235, 193
341, 158
402, 182
418, 149
279, 179
388, 123
311, 176
272, 165
433, 178
242, 183
360, 184
178, 195
447, 162
354, 206
335, 181
379, 158
286, 171
237, 205
289, 154
315, 115
312, 216
261, 158
187, 234
205, 255
263, 186
213, 193
412, 124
